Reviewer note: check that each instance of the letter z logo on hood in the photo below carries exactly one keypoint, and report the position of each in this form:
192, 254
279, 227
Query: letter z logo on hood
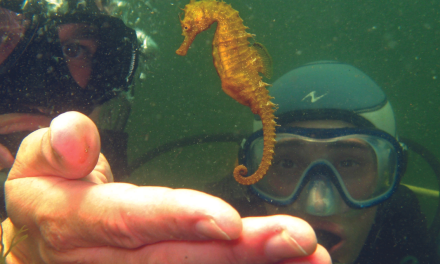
313, 99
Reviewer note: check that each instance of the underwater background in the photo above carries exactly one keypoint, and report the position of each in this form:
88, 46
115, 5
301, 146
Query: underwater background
396, 43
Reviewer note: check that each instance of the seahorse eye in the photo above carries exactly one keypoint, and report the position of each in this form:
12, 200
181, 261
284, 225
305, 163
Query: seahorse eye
186, 27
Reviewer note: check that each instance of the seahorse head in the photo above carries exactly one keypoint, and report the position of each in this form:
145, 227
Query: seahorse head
197, 19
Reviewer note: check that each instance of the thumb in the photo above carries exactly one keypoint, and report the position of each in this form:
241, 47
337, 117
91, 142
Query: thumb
69, 148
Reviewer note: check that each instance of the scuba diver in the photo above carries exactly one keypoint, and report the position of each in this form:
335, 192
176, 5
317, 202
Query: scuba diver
60, 61
64, 57
338, 164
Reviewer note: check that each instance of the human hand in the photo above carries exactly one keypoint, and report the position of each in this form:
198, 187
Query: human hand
61, 189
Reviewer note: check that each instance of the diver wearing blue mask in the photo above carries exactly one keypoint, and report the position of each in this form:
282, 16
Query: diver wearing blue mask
326, 170
338, 165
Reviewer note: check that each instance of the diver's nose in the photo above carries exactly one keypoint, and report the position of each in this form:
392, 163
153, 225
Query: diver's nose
322, 197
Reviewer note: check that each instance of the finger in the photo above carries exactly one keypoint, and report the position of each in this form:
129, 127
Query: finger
283, 237
101, 173
69, 148
83, 214
110, 214
320, 256
273, 239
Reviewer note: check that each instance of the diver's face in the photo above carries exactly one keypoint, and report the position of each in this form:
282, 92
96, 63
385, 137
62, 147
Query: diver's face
342, 234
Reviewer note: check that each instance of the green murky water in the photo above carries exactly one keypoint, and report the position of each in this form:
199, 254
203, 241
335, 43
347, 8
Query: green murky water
394, 42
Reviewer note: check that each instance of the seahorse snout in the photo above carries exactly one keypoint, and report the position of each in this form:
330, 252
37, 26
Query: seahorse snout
185, 45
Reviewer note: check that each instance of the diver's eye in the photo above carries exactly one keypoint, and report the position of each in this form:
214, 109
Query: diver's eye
72, 50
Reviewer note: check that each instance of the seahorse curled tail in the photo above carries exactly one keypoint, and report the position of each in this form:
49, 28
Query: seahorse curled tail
265, 109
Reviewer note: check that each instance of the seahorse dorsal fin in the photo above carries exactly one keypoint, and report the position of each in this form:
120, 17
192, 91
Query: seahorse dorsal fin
267, 68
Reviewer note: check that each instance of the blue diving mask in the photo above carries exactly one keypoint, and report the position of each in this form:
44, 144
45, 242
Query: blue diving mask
327, 171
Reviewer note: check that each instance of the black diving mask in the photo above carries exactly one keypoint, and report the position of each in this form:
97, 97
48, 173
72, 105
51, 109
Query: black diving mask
70, 62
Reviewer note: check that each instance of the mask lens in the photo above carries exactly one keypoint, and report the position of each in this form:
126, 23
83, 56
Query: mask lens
362, 167
79, 43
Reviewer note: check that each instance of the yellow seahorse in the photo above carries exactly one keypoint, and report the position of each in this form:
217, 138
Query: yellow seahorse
238, 64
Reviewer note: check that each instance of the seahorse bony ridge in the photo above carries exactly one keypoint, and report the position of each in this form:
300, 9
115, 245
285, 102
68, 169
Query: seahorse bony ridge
238, 64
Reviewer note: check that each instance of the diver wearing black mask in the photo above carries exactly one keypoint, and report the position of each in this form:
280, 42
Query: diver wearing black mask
73, 61
67, 57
